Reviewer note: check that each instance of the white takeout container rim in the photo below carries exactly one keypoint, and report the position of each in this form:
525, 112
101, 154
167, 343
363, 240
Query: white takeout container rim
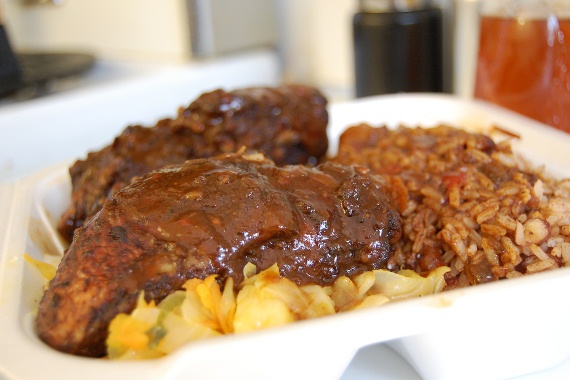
337, 337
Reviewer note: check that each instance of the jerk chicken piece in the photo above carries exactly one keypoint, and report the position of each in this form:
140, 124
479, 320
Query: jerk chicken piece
288, 124
212, 216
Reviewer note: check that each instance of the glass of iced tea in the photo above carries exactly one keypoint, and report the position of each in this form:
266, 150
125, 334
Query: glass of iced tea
524, 58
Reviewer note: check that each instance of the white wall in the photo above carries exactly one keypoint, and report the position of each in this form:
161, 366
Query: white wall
143, 30
316, 43
124, 29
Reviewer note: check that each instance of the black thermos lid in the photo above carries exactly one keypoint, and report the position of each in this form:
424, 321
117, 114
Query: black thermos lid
10, 75
397, 47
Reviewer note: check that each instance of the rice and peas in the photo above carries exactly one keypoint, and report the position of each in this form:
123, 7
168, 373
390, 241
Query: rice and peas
467, 202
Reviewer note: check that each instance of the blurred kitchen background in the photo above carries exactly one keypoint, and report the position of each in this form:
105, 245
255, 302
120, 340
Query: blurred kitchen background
310, 42
88, 68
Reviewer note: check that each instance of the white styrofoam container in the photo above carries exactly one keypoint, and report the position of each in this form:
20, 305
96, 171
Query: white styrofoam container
497, 330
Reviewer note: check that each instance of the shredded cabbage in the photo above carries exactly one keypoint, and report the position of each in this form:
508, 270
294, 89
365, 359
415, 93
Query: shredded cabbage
265, 299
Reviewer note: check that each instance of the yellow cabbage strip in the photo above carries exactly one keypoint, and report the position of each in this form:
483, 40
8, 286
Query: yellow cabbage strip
407, 283
46, 270
130, 336
263, 300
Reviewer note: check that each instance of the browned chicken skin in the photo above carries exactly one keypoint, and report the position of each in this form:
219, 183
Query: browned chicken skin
287, 123
212, 216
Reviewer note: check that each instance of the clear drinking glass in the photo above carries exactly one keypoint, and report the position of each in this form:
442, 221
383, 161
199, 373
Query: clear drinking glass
524, 58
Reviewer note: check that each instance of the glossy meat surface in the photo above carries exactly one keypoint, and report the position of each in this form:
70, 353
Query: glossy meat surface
288, 124
212, 216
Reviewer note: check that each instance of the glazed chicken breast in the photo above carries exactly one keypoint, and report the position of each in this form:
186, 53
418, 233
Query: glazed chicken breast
212, 216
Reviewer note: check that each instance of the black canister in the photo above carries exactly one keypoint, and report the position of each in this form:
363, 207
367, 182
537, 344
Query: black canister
397, 49
10, 76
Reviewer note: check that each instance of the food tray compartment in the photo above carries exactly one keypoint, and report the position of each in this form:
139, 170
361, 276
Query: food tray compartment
497, 330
